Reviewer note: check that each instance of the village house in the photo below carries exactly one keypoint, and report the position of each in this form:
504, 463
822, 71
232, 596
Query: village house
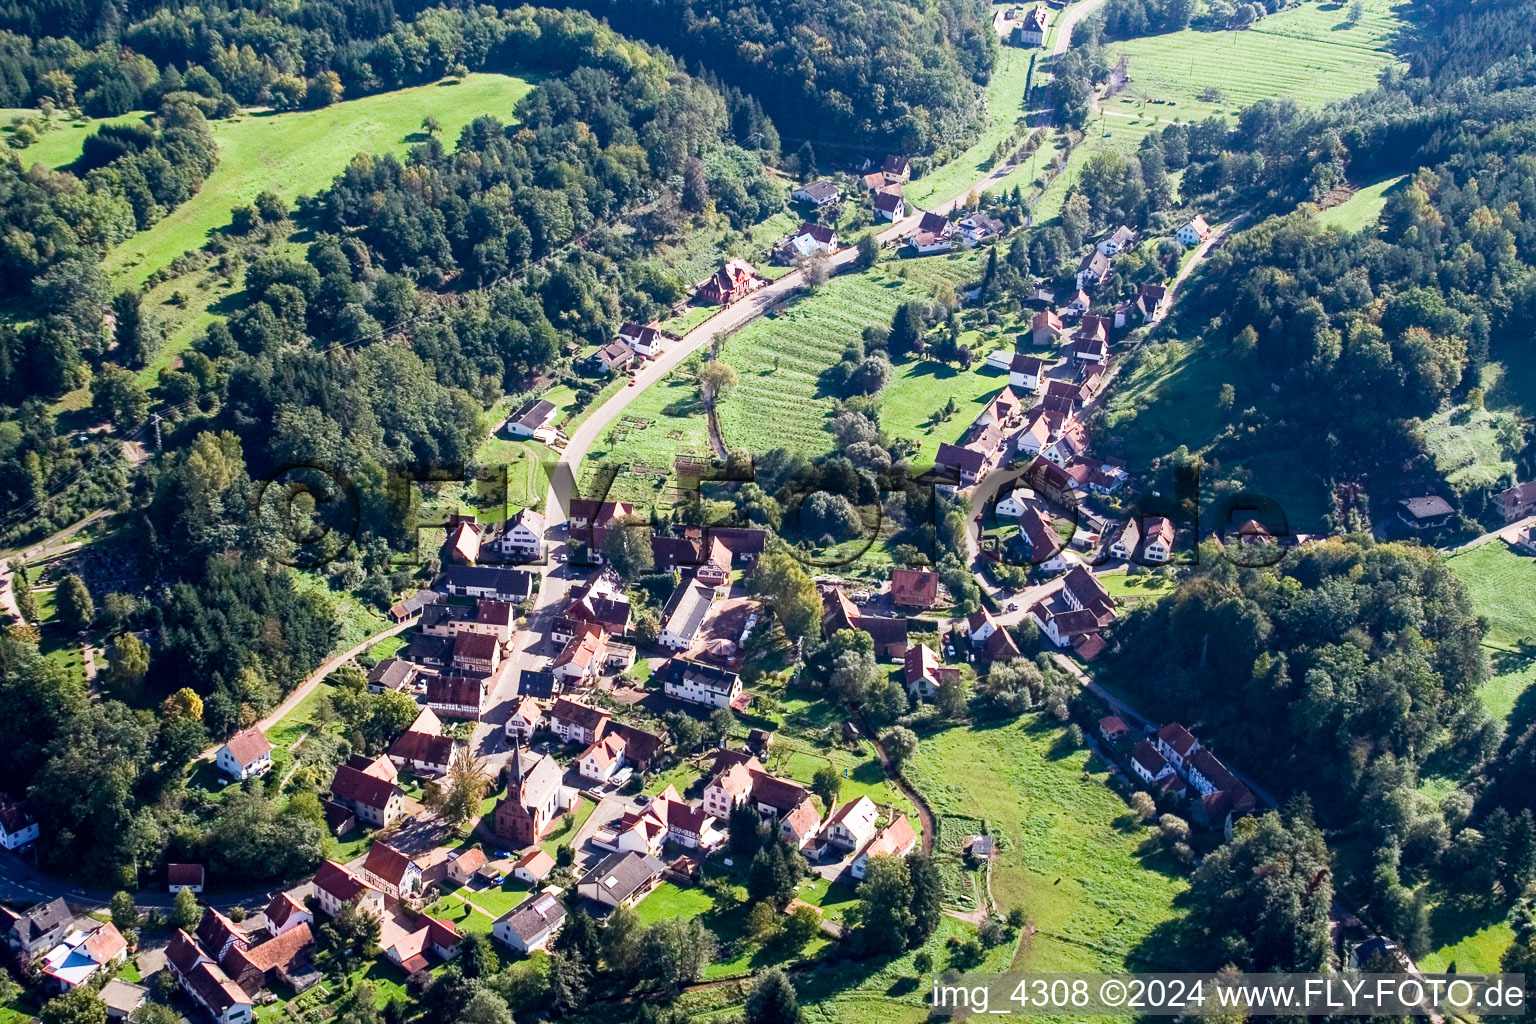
805, 241
896, 169
462, 546
853, 826
576, 722
513, 586
531, 924
444, 620
580, 661
603, 759
493, 618
184, 876
534, 418
817, 194
1194, 231
425, 753
1081, 589
698, 683
467, 865
82, 954
1070, 444
895, 840
373, 800
1013, 502
978, 226
1079, 303
709, 560
1031, 31
889, 633
914, 588
1045, 328
409, 942
667, 818
1150, 765
1093, 271
525, 719
391, 676
647, 341
1177, 744
684, 614
1113, 729
535, 799
923, 673
590, 520
734, 280
1115, 241
967, 464
621, 879
456, 696
38, 928
335, 884
1026, 372
1516, 502
284, 914
1046, 548
927, 243
1158, 536
205, 981
476, 654
391, 872
246, 755
17, 826
1425, 513
533, 866
801, 824
1062, 626
614, 356
890, 205
741, 779
1126, 541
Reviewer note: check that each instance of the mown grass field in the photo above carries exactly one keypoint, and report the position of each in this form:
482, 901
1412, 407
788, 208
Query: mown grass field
1502, 585
778, 401
1309, 53
1069, 845
61, 144
1361, 210
298, 153
1005, 105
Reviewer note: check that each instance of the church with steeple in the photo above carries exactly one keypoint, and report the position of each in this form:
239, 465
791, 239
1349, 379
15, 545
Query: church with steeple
536, 797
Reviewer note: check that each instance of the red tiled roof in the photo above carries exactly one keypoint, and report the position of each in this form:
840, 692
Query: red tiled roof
249, 745
387, 863
916, 588
339, 882
282, 951
352, 785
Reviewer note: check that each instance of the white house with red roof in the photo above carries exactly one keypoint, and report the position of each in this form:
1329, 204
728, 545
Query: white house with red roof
246, 755
1194, 231
895, 840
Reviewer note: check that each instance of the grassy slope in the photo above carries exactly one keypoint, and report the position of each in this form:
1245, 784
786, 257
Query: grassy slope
778, 401
1069, 845
1005, 95
1502, 585
1306, 53
1360, 210
297, 153
61, 144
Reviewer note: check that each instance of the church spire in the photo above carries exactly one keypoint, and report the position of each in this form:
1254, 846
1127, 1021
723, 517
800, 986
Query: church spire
515, 770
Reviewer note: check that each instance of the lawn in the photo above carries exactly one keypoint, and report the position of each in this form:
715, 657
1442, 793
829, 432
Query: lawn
1361, 210
466, 918
61, 144
779, 401
669, 901
1133, 589
1308, 53
1502, 586
298, 153
1069, 845
664, 421
1005, 105
862, 773
499, 900
569, 826
1480, 952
